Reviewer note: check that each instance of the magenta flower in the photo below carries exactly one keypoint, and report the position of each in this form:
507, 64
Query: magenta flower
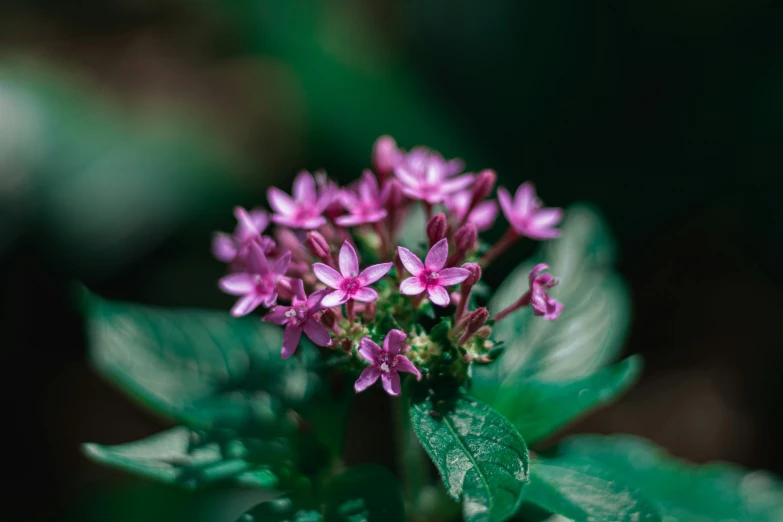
229, 248
348, 283
385, 363
365, 205
298, 318
258, 284
482, 216
306, 207
525, 214
430, 275
427, 176
542, 303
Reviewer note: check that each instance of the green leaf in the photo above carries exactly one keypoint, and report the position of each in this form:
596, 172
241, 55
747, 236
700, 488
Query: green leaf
679, 490
582, 494
538, 407
203, 368
176, 457
482, 459
281, 510
591, 328
366, 492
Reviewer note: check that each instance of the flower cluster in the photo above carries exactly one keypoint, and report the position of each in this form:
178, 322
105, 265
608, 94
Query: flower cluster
323, 232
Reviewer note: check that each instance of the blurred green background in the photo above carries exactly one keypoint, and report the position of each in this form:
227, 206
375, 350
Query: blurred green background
129, 129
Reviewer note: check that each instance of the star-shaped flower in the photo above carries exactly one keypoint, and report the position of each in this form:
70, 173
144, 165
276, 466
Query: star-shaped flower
525, 214
258, 284
365, 205
298, 318
305, 209
348, 283
230, 248
425, 175
430, 275
385, 363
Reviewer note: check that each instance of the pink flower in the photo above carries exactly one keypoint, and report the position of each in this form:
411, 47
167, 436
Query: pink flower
482, 216
427, 176
229, 248
306, 207
385, 363
258, 284
525, 214
542, 303
349, 283
298, 318
431, 276
365, 205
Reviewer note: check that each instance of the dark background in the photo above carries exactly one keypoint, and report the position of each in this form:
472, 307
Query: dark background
128, 130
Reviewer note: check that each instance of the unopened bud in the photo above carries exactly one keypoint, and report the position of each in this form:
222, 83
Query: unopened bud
437, 228
287, 286
466, 237
477, 319
392, 194
385, 156
483, 185
329, 317
346, 345
369, 311
319, 247
484, 332
288, 241
467, 358
398, 266
475, 273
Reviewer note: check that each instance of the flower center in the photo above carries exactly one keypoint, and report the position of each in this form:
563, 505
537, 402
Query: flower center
386, 362
265, 284
350, 285
429, 278
297, 314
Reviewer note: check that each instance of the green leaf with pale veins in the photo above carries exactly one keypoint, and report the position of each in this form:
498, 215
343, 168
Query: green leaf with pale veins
581, 493
538, 407
176, 456
203, 368
680, 491
482, 459
367, 492
590, 330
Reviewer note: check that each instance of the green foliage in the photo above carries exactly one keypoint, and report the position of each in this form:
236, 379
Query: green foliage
366, 492
678, 490
482, 459
538, 406
281, 510
178, 456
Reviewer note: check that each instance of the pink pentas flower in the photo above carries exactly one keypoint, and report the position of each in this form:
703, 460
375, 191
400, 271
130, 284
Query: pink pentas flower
305, 209
483, 215
365, 205
525, 214
425, 175
258, 284
542, 303
299, 318
349, 283
385, 363
430, 276
229, 248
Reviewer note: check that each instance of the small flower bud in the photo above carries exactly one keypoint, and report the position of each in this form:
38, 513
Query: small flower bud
475, 273
346, 345
482, 186
369, 311
466, 237
455, 298
437, 227
329, 317
484, 332
319, 247
398, 266
287, 240
385, 156
476, 320
392, 194
286, 287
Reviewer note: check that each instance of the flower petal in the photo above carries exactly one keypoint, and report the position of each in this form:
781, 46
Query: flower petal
304, 188
546, 217
327, 275
506, 204
368, 187
484, 215
280, 266
350, 220
392, 344
237, 284
256, 261
411, 262
277, 315
260, 219
391, 382
335, 298
367, 378
348, 260
369, 350
438, 295
246, 304
348, 200
364, 295
317, 332
406, 177
454, 184
223, 247
437, 255
280, 201
412, 286
403, 364
374, 272
524, 199
315, 301
291, 338
452, 276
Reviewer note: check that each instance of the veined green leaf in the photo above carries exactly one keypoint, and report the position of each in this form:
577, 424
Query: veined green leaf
366, 492
482, 459
538, 407
681, 491
175, 457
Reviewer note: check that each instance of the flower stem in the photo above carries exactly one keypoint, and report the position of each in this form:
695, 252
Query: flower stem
349, 311
508, 239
